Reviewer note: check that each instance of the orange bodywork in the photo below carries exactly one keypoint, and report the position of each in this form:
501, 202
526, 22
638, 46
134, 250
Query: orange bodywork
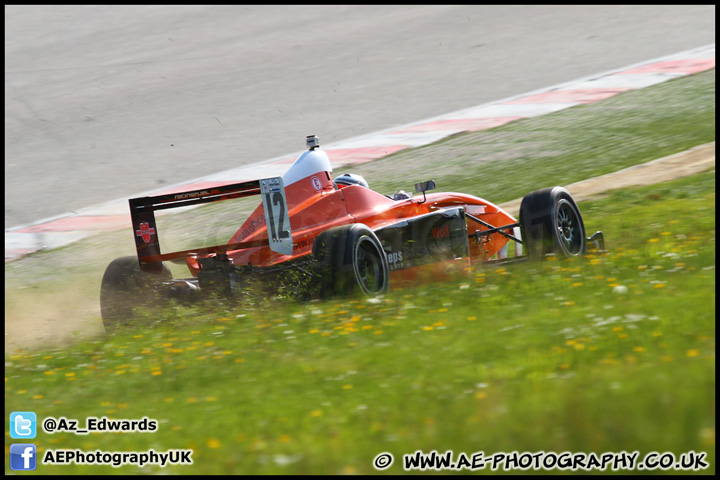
315, 204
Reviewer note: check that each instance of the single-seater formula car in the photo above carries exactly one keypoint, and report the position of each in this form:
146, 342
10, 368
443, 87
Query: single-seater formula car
336, 235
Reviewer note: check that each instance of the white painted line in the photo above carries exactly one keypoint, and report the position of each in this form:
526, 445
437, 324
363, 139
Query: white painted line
527, 110
632, 80
390, 139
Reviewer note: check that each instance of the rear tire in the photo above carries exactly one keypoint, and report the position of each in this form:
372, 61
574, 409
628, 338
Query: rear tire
350, 260
551, 223
128, 294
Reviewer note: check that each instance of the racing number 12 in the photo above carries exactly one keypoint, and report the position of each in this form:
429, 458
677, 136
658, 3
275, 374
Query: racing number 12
276, 215
277, 199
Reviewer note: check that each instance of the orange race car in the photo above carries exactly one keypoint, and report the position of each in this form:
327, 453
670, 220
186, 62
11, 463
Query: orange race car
335, 236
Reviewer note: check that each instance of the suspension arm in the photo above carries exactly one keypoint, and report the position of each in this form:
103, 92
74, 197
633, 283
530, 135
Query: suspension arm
492, 229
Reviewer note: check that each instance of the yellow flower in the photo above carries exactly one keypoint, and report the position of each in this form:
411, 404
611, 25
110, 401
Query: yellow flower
693, 353
213, 443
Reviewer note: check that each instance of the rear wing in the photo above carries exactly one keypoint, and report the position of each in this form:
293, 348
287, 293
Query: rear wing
145, 231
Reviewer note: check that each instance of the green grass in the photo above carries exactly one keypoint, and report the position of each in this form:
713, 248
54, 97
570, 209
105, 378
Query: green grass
529, 357
607, 353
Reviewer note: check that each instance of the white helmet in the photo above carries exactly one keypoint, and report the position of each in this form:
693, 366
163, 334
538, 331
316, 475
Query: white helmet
347, 179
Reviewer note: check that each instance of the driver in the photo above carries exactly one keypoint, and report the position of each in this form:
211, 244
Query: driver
347, 179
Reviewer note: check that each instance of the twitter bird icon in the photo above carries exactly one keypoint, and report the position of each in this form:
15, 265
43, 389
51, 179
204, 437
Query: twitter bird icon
23, 425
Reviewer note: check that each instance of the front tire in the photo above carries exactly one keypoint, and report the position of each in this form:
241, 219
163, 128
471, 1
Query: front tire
128, 294
551, 223
351, 260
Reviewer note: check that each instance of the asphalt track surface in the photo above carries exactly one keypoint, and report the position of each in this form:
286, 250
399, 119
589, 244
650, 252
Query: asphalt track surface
102, 102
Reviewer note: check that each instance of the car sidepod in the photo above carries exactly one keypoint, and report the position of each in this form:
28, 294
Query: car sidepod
426, 245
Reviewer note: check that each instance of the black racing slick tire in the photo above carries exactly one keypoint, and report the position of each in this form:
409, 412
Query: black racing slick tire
128, 294
350, 260
551, 224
